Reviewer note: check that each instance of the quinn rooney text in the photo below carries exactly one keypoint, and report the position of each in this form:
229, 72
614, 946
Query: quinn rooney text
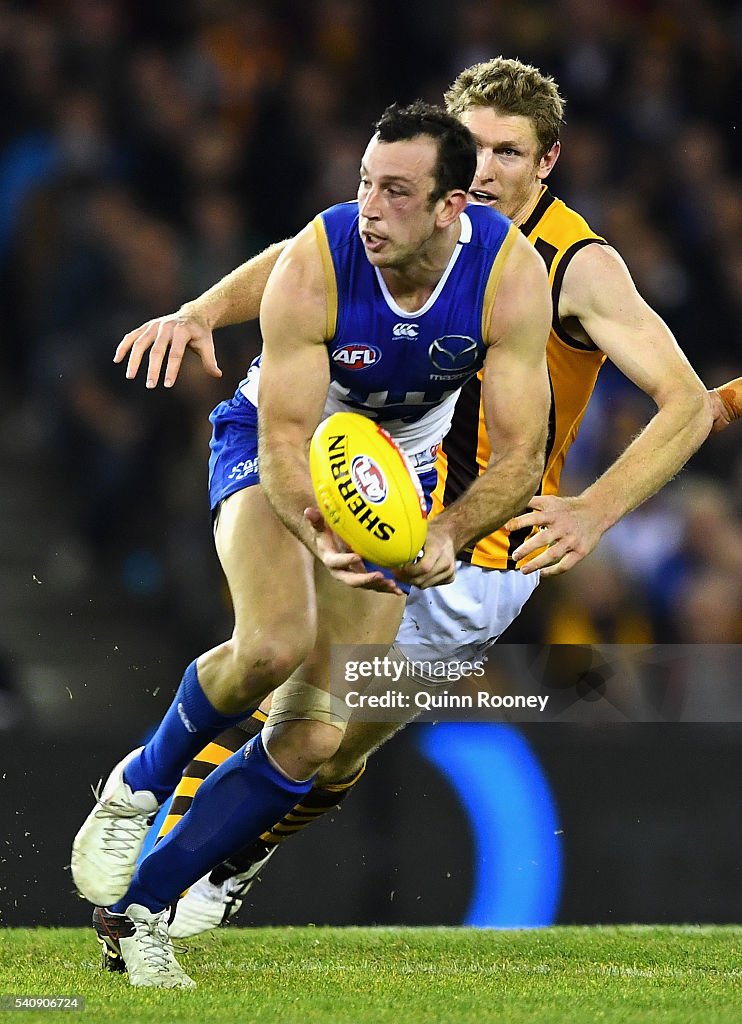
427, 701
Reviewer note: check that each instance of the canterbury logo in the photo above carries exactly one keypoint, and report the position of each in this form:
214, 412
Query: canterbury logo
404, 331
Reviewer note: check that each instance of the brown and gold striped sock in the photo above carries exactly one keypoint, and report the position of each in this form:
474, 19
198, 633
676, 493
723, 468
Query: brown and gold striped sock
314, 804
213, 754
318, 801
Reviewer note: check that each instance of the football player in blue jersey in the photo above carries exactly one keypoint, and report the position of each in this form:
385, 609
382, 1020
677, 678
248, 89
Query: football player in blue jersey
520, 98
407, 251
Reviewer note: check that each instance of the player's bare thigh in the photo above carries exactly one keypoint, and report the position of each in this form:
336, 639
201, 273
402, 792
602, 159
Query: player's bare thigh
365, 622
354, 616
271, 584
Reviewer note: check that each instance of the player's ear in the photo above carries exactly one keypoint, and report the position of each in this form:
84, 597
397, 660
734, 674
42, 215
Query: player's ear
547, 161
450, 206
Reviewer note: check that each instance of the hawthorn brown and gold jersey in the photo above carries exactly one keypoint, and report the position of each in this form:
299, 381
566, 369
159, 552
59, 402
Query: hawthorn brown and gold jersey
557, 233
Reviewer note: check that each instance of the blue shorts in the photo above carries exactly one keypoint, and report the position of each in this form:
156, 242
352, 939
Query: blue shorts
233, 463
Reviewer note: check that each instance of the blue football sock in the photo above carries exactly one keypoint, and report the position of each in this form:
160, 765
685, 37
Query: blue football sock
189, 723
239, 801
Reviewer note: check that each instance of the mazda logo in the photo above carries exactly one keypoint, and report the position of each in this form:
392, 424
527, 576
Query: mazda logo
453, 353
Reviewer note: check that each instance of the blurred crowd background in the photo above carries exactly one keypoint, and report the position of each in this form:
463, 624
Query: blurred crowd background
148, 148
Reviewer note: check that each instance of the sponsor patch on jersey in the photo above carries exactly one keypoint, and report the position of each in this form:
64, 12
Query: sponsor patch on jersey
356, 356
369, 479
454, 353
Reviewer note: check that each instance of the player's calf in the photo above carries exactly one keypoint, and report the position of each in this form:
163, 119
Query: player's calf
217, 897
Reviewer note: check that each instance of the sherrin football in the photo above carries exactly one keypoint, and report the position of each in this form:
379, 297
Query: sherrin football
367, 490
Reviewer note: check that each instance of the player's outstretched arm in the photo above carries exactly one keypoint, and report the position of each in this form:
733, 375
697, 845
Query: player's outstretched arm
294, 378
233, 300
726, 404
516, 395
598, 292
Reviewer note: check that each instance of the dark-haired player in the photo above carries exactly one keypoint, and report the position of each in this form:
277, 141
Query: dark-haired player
408, 252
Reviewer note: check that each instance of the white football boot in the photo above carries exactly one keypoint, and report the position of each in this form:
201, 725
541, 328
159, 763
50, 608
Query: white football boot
105, 850
147, 951
207, 905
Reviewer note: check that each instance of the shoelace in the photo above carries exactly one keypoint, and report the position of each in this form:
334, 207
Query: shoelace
119, 835
155, 946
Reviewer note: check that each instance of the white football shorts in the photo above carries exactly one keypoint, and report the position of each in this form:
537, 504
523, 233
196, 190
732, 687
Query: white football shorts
460, 620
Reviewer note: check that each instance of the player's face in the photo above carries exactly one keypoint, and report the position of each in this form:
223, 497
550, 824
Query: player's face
396, 217
509, 170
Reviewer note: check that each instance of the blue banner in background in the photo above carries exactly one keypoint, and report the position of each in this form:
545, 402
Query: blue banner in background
512, 817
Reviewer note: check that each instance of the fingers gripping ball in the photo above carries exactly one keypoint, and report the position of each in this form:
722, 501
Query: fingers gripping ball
367, 490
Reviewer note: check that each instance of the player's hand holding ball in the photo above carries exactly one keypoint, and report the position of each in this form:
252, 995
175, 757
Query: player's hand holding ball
367, 491
437, 563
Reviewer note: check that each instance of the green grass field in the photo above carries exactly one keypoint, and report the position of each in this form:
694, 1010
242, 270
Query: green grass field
399, 975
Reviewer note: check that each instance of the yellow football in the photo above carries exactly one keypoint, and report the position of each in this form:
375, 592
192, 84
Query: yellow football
367, 490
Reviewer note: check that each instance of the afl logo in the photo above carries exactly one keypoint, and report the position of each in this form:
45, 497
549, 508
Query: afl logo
454, 353
356, 357
369, 479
